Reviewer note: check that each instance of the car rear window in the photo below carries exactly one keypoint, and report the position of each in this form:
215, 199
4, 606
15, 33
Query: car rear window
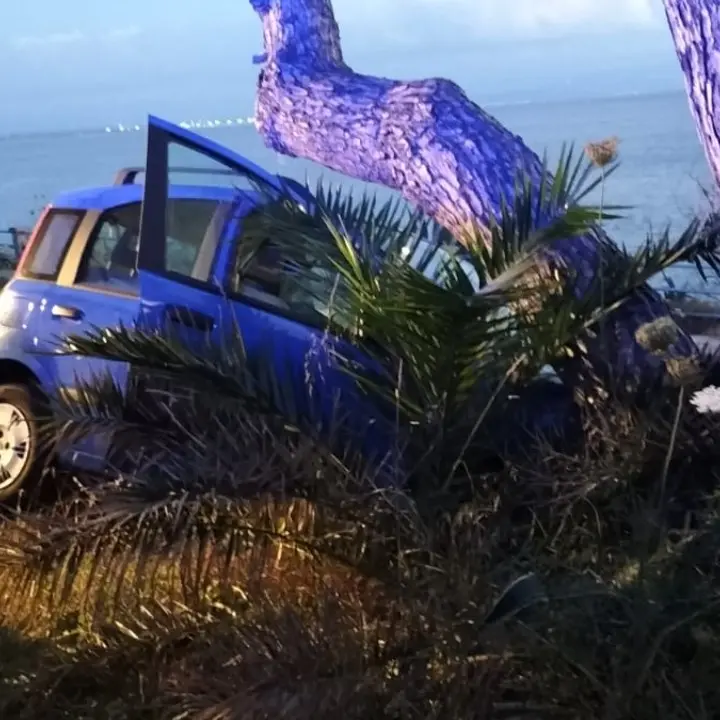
49, 248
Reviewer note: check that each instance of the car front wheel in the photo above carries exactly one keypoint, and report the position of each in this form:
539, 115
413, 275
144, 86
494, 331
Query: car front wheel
21, 459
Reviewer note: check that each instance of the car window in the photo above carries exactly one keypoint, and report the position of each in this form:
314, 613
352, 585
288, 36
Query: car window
110, 260
193, 230
263, 275
48, 250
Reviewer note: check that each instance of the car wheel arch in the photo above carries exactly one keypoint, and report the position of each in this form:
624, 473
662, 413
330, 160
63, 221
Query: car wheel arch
13, 372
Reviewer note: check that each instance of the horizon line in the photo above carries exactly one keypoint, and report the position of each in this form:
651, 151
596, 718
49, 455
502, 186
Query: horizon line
113, 128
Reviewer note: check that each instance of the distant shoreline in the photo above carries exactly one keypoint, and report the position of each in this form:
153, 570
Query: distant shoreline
489, 104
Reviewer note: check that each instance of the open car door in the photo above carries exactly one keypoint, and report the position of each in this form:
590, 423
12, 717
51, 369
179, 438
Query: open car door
188, 291
191, 299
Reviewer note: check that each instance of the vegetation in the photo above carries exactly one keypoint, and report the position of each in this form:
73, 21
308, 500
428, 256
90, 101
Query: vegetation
545, 550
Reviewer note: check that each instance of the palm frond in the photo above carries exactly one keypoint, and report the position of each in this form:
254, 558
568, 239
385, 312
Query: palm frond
627, 272
222, 369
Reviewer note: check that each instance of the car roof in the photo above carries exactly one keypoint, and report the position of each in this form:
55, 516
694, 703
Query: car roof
105, 198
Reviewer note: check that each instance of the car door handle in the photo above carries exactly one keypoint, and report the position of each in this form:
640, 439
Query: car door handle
67, 313
192, 318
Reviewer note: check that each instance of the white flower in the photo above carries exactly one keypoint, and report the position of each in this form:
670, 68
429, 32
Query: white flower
707, 400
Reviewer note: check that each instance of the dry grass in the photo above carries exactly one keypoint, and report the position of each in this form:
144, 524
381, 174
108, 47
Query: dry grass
368, 608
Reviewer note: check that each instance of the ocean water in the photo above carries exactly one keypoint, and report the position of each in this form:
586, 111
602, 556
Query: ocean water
662, 174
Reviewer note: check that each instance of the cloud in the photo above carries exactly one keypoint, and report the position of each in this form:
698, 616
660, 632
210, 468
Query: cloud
124, 33
499, 17
61, 38
75, 37
538, 15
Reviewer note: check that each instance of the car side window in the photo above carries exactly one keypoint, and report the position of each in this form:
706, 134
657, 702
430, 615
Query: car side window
262, 274
48, 250
193, 230
110, 260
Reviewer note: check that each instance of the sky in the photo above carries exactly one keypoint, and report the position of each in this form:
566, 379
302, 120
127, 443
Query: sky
86, 63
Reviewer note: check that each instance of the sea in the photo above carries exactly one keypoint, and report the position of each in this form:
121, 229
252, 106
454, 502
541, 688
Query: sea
663, 176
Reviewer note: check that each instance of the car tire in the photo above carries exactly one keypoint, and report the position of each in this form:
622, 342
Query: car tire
23, 460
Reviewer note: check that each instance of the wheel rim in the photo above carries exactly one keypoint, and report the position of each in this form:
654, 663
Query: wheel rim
14, 443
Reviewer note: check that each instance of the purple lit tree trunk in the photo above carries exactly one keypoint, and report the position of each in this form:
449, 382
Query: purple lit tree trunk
695, 27
424, 138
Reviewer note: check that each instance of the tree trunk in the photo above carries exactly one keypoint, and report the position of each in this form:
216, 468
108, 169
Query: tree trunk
424, 138
695, 28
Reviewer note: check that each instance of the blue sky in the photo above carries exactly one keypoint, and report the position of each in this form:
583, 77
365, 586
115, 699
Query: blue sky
82, 63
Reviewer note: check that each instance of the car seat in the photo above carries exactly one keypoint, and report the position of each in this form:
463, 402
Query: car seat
124, 257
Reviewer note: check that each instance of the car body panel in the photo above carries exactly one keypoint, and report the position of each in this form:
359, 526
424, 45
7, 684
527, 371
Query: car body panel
19, 308
69, 372
106, 198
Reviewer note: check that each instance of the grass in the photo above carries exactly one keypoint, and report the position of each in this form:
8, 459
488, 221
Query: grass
562, 586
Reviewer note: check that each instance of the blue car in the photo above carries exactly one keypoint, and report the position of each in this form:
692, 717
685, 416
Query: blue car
159, 251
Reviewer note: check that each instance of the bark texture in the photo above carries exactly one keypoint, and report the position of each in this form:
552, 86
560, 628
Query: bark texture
424, 138
695, 28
